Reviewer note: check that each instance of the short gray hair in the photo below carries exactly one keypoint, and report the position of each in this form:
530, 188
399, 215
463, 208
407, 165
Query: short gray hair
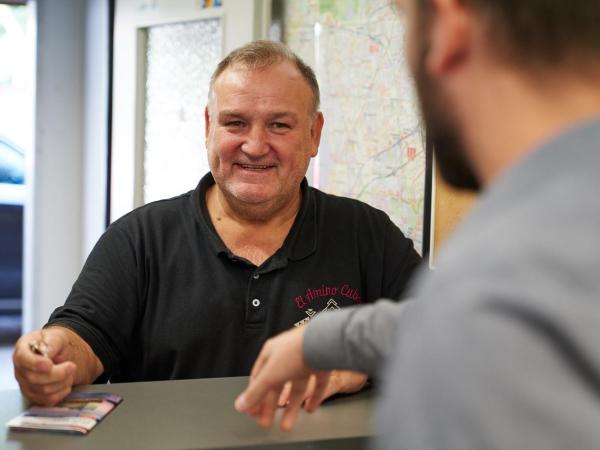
261, 54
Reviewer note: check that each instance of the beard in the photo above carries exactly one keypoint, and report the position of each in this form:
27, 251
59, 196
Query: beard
442, 129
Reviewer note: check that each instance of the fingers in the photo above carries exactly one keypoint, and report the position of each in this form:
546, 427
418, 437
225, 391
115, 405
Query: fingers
255, 394
297, 396
294, 394
51, 398
261, 360
56, 343
47, 388
57, 373
42, 380
279, 361
350, 382
24, 357
321, 391
268, 408
257, 389
285, 394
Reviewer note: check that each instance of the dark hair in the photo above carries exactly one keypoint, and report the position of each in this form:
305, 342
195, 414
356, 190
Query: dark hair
261, 54
541, 32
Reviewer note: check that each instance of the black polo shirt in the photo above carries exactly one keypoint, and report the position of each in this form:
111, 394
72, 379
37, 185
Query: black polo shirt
161, 297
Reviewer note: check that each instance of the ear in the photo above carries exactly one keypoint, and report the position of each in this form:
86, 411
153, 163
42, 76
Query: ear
451, 33
315, 133
206, 124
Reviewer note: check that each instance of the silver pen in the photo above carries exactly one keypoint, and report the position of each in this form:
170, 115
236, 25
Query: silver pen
39, 347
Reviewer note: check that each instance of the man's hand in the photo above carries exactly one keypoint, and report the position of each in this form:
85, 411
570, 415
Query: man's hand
281, 361
46, 379
340, 382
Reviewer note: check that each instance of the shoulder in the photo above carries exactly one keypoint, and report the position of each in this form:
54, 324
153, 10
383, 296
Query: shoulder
356, 220
157, 212
345, 208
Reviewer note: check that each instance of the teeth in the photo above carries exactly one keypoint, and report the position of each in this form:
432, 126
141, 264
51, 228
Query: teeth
255, 167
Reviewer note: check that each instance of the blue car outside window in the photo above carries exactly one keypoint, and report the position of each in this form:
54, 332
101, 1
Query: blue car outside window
11, 164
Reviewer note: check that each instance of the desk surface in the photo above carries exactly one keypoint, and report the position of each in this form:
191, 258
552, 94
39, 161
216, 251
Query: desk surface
196, 414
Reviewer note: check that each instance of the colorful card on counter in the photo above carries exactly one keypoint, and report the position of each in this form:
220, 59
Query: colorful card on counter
76, 414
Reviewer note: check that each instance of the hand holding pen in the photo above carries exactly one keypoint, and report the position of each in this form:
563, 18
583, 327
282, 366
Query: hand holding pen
43, 365
39, 347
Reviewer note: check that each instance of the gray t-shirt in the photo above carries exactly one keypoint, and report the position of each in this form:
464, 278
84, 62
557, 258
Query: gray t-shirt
500, 348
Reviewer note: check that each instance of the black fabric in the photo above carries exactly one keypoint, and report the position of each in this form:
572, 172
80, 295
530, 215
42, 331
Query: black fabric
161, 297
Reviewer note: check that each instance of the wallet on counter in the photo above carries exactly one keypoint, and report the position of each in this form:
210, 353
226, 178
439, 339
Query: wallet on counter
78, 413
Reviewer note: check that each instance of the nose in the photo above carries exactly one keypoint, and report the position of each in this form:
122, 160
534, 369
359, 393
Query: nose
255, 143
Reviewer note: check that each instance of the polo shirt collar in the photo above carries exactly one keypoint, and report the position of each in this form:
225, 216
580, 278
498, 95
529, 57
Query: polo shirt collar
300, 242
207, 228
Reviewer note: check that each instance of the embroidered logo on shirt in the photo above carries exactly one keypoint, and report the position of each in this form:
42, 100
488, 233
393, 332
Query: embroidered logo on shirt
331, 305
312, 294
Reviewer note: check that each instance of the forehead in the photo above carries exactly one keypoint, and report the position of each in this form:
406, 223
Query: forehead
281, 84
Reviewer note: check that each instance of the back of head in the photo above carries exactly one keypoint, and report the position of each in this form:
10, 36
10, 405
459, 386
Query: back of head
539, 34
262, 54
544, 34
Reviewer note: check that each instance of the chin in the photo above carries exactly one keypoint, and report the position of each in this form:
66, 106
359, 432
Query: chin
251, 194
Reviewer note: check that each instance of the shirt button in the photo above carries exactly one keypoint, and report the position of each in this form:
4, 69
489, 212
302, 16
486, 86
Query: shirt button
256, 303
256, 276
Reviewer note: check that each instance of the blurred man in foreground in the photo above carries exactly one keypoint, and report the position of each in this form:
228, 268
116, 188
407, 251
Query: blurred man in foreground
499, 349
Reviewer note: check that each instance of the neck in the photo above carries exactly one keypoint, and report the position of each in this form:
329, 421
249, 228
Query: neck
511, 115
222, 207
252, 232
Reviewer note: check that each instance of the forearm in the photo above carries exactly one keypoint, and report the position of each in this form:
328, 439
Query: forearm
359, 338
78, 351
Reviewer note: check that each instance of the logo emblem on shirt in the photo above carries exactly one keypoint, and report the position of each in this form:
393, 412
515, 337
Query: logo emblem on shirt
316, 294
331, 305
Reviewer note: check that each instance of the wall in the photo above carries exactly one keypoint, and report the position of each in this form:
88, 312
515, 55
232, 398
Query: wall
450, 206
65, 209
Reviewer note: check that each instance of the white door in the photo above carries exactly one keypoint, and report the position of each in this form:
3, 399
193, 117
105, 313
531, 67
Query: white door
164, 54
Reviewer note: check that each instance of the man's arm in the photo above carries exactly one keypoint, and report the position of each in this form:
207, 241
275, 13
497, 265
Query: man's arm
353, 338
67, 360
401, 263
358, 338
393, 272
102, 308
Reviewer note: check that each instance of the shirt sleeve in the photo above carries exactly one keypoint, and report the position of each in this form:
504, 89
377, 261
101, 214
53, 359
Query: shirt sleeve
103, 304
359, 338
400, 261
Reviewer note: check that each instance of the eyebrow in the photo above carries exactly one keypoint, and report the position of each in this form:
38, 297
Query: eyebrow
225, 115
230, 115
283, 115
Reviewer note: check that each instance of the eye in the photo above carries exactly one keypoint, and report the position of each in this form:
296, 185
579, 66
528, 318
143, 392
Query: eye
280, 126
234, 124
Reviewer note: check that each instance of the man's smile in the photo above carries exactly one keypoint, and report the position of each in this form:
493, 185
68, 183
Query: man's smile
255, 167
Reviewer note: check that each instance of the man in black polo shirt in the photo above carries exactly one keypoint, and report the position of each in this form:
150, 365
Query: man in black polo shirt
193, 286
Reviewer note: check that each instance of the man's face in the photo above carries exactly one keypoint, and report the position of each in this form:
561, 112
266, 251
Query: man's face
261, 133
443, 128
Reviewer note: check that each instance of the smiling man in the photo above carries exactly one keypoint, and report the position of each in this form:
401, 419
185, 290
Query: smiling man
192, 286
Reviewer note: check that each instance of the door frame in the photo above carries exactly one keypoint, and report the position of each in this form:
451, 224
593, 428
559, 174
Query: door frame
242, 21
